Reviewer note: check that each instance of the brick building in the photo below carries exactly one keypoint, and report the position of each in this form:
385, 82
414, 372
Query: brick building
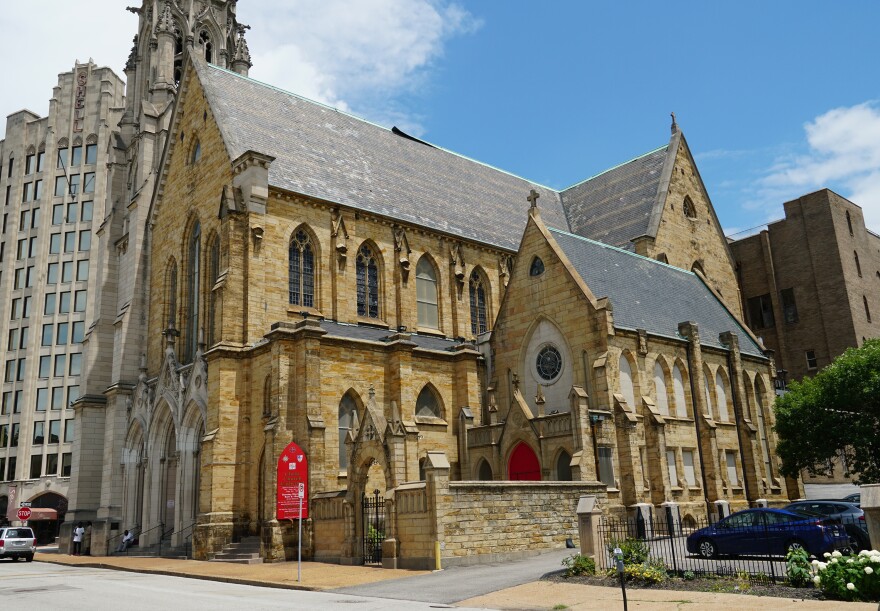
809, 288
283, 271
54, 184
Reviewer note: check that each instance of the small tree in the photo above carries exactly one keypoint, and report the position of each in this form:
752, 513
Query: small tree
836, 411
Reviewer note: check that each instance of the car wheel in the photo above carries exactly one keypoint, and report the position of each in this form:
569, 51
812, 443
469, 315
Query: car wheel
795, 544
29, 558
707, 548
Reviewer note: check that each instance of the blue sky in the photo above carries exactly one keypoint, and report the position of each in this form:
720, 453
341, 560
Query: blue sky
776, 99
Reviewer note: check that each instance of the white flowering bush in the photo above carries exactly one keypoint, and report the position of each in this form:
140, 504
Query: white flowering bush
849, 577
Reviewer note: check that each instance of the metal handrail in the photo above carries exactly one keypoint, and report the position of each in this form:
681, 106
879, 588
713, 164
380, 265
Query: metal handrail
173, 532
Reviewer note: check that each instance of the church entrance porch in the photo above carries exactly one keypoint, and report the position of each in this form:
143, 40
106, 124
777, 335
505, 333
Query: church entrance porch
373, 515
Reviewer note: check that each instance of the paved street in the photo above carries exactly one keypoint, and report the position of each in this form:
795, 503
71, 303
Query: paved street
39, 585
460, 583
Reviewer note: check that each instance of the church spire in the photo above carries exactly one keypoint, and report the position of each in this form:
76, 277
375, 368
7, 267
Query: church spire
241, 61
674, 126
165, 23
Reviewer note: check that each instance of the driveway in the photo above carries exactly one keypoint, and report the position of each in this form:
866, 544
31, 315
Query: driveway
460, 583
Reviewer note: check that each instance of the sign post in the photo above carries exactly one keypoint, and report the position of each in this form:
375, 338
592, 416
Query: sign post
291, 502
299, 553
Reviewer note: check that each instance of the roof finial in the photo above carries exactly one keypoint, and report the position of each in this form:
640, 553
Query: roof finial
674, 124
533, 198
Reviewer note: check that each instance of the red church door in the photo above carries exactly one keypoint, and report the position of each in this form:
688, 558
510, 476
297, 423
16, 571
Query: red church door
523, 464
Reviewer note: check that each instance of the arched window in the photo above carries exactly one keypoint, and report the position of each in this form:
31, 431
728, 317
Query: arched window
849, 222
563, 467
698, 267
537, 267
484, 471
710, 409
301, 271
721, 396
660, 398
426, 294
690, 210
171, 299
267, 397
427, 405
194, 266
196, 152
478, 304
763, 427
347, 410
867, 309
367, 283
678, 392
858, 265
207, 47
626, 382
663, 258
213, 276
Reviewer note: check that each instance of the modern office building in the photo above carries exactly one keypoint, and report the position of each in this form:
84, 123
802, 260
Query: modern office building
54, 187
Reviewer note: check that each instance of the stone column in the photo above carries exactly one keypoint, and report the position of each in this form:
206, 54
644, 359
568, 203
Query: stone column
588, 531
437, 490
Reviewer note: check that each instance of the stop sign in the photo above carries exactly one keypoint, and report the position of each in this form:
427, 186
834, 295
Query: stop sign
24, 513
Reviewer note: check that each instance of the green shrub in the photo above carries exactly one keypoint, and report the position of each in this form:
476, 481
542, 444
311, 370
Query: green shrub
634, 550
688, 576
849, 577
648, 573
797, 567
579, 565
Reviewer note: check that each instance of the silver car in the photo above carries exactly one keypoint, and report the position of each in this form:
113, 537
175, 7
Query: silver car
17, 542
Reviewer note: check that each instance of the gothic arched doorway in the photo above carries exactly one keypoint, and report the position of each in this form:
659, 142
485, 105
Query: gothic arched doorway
523, 464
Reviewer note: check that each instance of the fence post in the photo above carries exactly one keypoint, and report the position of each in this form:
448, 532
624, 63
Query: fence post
670, 528
591, 542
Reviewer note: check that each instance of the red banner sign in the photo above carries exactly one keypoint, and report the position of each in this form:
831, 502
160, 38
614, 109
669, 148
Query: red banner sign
293, 484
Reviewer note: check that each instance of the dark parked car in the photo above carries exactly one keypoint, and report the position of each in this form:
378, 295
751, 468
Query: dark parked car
17, 542
854, 498
849, 514
768, 532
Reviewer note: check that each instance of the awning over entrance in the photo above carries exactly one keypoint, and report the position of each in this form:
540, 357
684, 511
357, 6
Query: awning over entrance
41, 513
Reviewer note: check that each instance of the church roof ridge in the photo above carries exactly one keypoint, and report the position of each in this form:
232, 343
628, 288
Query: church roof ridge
611, 169
382, 127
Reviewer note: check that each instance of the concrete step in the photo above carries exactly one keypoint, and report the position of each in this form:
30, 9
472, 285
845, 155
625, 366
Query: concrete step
239, 560
246, 551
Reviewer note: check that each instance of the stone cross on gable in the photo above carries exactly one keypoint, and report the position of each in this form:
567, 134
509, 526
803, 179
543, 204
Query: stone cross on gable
533, 198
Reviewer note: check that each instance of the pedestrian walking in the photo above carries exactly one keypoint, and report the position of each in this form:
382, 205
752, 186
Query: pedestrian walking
78, 534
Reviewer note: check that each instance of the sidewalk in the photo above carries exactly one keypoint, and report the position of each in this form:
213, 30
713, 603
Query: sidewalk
535, 596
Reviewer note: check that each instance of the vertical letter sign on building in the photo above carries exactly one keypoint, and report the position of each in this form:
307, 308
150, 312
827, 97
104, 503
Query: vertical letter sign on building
293, 472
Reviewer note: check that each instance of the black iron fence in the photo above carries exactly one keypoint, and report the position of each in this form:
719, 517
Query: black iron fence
373, 508
661, 540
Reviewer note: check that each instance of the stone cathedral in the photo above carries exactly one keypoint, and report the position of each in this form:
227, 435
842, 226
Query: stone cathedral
439, 334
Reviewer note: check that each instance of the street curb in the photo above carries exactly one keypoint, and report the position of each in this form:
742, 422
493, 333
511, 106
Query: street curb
243, 582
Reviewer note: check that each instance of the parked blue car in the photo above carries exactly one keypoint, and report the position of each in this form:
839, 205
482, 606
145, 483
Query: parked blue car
768, 532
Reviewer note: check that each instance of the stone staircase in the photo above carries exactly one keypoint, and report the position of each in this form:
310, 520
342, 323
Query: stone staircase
155, 551
246, 551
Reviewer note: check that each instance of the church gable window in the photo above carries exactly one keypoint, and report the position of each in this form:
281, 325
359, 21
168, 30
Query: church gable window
192, 288
367, 283
678, 392
426, 294
690, 211
196, 152
549, 363
301, 271
479, 322
537, 267
428, 405
721, 394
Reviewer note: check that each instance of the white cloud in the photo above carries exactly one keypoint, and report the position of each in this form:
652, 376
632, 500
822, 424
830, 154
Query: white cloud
844, 155
353, 55
357, 55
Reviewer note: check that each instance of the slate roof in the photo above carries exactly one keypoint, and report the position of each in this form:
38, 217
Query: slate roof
647, 294
376, 334
615, 206
327, 154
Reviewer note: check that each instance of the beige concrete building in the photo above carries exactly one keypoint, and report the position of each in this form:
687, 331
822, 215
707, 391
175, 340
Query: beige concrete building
809, 289
54, 183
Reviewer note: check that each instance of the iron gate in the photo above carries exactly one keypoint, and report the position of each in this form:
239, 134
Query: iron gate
373, 509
